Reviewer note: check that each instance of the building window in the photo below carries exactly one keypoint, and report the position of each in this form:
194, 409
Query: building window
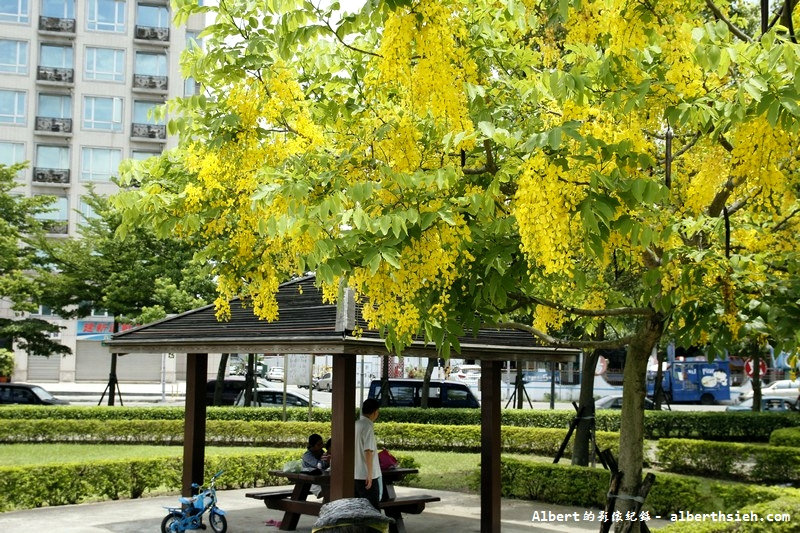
99, 312
87, 212
190, 87
100, 113
193, 40
12, 107
99, 164
61, 9
13, 56
106, 15
56, 157
14, 11
150, 64
143, 113
55, 106
53, 56
104, 64
141, 155
11, 153
152, 16
58, 215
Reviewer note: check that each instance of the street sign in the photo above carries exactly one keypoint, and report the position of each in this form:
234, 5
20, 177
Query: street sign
748, 368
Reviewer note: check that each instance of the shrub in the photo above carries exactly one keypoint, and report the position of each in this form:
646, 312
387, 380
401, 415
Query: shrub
541, 441
59, 484
785, 505
587, 487
747, 427
785, 437
763, 464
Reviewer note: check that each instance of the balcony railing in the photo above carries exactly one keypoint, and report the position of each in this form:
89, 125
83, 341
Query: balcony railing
155, 83
53, 125
51, 175
150, 33
57, 24
149, 131
65, 75
56, 227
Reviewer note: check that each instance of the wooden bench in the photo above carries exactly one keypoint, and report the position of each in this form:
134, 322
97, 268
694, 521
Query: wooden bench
406, 504
281, 500
265, 496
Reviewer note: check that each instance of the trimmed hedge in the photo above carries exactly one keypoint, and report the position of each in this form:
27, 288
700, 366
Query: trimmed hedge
541, 441
27, 487
785, 437
748, 427
587, 487
761, 464
785, 505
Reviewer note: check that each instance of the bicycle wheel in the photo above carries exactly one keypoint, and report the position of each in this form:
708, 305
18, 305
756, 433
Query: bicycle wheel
167, 525
218, 522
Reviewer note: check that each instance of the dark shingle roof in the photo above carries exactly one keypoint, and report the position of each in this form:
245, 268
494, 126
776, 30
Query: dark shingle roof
307, 325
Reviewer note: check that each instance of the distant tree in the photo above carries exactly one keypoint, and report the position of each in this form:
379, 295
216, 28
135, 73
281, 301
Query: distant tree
18, 228
138, 278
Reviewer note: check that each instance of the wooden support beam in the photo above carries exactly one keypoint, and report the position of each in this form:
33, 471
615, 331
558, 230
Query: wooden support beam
342, 426
194, 426
490, 446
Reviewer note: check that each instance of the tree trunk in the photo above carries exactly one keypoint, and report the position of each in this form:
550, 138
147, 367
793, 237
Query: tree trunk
583, 432
426, 382
220, 384
757, 381
385, 381
634, 391
248, 380
658, 385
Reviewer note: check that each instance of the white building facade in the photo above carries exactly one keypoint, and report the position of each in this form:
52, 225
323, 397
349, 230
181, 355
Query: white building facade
78, 81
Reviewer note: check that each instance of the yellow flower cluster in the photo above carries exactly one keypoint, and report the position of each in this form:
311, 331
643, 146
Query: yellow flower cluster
428, 267
704, 173
759, 155
424, 63
547, 319
544, 206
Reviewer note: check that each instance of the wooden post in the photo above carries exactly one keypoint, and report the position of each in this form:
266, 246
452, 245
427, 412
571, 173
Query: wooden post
194, 426
490, 446
342, 426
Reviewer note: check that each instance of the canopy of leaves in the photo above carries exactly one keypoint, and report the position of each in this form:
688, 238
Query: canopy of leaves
460, 162
18, 226
139, 278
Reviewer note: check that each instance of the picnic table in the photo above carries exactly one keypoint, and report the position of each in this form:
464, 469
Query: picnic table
294, 502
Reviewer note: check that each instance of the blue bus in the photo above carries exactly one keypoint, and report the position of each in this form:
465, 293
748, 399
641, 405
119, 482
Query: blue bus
705, 382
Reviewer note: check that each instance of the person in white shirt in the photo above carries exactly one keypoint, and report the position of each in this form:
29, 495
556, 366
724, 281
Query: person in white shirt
367, 473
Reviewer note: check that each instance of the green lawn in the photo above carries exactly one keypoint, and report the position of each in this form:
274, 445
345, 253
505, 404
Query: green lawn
438, 470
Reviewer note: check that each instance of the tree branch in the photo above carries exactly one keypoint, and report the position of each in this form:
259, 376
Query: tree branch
566, 343
617, 311
721, 16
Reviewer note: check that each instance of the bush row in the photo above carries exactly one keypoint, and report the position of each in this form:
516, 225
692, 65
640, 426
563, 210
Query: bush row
785, 437
587, 487
786, 507
761, 464
749, 427
541, 441
25, 487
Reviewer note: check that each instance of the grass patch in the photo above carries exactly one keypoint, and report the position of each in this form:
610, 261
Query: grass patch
34, 454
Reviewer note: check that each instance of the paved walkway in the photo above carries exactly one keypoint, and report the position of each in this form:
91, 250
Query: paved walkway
456, 512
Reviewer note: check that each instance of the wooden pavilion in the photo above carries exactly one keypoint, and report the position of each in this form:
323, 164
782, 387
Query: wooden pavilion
308, 325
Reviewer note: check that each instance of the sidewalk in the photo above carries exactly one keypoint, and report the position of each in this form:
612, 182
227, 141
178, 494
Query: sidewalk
456, 512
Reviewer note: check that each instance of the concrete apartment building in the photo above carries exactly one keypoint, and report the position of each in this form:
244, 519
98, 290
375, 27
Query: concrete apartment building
77, 80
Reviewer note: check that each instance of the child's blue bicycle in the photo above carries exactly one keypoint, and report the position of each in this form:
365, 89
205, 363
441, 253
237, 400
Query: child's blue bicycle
190, 514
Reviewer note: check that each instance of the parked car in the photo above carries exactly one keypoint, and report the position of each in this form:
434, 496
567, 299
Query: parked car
275, 374
782, 388
313, 385
407, 393
467, 374
614, 401
27, 394
274, 397
768, 403
232, 387
325, 382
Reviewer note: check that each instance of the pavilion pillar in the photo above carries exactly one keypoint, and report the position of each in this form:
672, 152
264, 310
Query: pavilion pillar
342, 426
490, 446
194, 426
